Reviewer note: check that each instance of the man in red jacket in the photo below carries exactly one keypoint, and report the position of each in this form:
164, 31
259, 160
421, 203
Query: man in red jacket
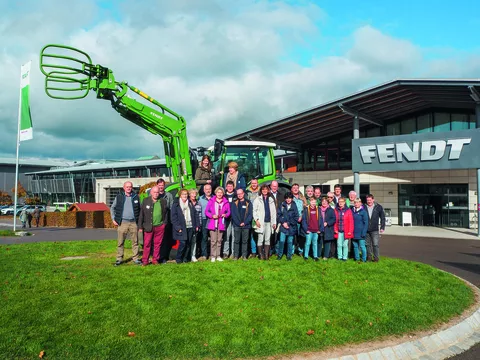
343, 229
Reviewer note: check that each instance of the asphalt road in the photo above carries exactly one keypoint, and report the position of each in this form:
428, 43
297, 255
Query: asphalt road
459, 257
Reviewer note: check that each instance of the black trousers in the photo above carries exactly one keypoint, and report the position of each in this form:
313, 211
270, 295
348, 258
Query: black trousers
242, 237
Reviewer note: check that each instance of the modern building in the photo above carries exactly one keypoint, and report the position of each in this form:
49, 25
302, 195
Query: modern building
7, 171
403, 127
93, 181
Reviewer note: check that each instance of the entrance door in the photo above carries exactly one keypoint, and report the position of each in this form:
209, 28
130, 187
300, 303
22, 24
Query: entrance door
444, 205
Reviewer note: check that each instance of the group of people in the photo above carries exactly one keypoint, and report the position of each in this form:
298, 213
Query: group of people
237, 222
27, 216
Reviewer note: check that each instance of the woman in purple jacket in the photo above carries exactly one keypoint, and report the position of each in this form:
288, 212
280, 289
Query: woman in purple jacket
218, 208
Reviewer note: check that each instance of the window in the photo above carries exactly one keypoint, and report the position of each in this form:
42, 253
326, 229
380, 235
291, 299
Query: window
409, 126
373, 132
442, 122
393, 129
473, 121
460, 122
424, 123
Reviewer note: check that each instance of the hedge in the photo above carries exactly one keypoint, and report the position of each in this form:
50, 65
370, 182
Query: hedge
77, 219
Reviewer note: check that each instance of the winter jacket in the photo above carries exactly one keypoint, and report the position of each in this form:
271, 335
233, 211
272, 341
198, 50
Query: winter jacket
347, 223
178, 220
289, 216
236, 217
198, 210
259, 213
210, 211
330, 219
378, 215
202, 175
360, 223
241, 183
145, 219
279, 198
306, 220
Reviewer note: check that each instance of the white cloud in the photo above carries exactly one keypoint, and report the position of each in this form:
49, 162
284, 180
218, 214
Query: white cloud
225, 68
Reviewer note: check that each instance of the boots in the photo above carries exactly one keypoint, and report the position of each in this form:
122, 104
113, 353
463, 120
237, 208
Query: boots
267, 252
260, 252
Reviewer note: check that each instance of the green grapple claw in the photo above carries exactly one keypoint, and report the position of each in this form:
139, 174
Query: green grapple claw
68, 72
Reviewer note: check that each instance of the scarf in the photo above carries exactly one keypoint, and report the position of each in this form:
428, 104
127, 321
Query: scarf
218, 210
233, 178
186, 213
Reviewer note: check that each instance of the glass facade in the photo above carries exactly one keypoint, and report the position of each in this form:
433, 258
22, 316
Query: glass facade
336, 154
444, 205
79, 186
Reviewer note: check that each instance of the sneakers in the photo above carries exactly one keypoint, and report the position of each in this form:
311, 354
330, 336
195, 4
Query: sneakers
235, 258
232, 257
194, 259
117, 263
325, 259
252, 256
289, 258
202, 258
279, 258
219, 258
316, 259
244, 259
137, 262
213, 259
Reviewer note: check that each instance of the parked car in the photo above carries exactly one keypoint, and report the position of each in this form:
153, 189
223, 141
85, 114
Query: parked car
31, 208
9, 210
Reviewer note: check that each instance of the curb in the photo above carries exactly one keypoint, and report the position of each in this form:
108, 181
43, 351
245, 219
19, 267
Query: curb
437, 346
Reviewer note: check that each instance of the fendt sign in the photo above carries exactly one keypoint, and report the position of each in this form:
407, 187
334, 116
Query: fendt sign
430, 151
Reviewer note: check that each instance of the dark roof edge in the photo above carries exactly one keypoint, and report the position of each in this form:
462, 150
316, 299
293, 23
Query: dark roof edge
360, 94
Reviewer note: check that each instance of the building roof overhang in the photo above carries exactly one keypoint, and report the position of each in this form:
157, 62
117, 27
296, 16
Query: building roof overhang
375, 106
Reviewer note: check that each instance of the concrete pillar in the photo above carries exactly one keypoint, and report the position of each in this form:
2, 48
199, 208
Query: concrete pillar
477, 113
356, 135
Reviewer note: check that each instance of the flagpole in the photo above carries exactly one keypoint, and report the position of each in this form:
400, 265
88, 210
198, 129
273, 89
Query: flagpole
18, 151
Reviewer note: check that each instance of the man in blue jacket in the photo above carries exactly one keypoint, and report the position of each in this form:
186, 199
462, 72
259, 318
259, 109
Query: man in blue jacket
125, 210
242, 216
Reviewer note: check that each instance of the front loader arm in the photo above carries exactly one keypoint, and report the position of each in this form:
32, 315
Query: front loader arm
73, 77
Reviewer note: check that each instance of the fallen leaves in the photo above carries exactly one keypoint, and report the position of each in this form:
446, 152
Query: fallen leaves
310, 332
220, 314
41, 354
131, 334
327, 322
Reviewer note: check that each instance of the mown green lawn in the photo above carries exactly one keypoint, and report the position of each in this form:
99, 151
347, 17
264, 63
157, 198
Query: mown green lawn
86, 308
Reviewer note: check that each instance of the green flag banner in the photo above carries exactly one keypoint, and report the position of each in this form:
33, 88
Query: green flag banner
25, 118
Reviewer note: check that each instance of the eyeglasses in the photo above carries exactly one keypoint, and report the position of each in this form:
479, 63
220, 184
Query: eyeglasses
330, 197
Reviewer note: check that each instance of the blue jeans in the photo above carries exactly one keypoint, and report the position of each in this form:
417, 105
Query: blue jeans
253, 244
281, 245
312, 238
342, 246
359, 243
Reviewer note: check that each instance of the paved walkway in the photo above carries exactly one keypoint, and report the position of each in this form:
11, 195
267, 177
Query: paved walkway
454, 250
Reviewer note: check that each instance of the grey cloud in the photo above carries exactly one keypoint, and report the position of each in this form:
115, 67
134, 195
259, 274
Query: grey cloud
220, 66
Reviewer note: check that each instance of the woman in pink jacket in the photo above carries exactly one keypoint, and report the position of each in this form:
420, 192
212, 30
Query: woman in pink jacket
218, 208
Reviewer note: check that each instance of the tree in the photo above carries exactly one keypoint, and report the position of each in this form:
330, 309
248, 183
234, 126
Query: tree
5, 198
33, 201
21, 192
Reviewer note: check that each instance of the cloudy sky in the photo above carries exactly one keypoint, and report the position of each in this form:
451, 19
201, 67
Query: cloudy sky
226, 66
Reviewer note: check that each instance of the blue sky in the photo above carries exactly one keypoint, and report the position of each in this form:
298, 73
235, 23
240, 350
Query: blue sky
226, 66
438, 27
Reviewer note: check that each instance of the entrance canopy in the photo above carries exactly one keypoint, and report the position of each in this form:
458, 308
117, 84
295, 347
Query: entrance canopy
376, 106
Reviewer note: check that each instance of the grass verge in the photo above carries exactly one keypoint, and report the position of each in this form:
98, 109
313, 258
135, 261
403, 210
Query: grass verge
7, 233
89, 309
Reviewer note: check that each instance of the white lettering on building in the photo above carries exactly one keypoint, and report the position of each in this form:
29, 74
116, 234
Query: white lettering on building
419, 151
